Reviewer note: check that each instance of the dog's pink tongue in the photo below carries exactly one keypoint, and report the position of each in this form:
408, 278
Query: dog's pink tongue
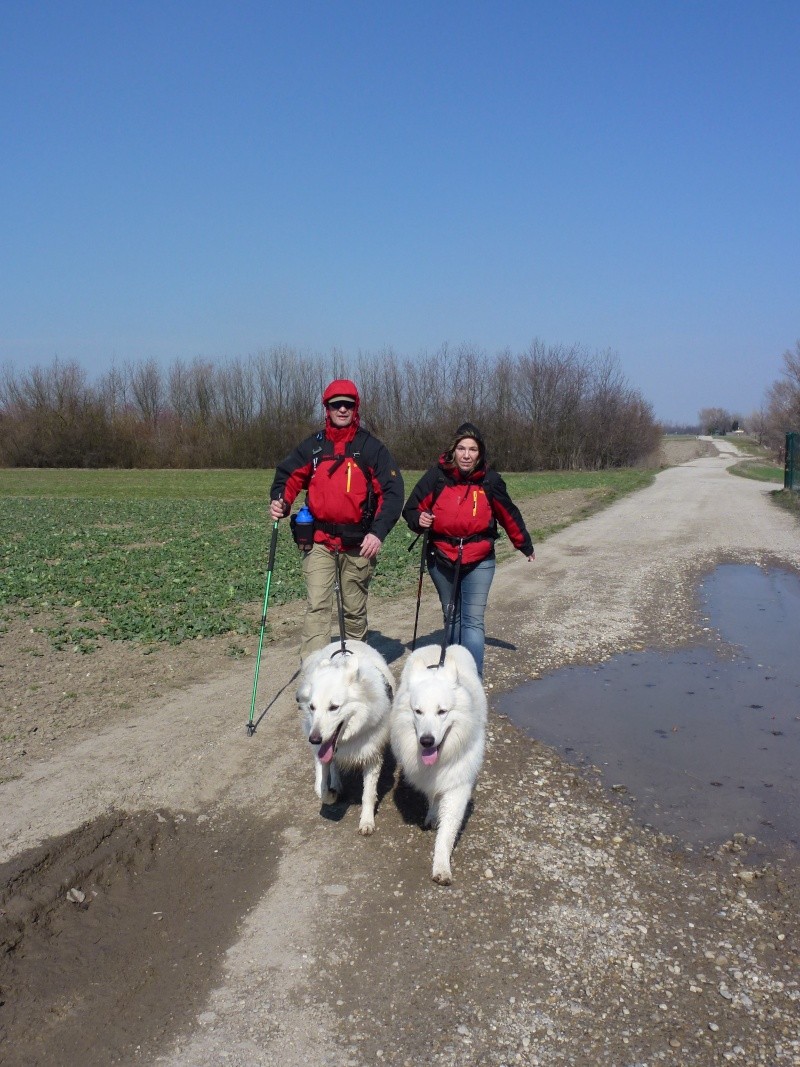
325, 753
429, 756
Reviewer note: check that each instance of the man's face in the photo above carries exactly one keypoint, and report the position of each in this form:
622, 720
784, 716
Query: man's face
340, 412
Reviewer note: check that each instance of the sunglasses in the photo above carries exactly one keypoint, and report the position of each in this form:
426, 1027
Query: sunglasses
347, 404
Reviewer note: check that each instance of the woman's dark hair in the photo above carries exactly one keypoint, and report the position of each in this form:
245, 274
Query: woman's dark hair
467, 429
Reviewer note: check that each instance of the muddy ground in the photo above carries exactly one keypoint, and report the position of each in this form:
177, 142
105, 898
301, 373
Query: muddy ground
171, 892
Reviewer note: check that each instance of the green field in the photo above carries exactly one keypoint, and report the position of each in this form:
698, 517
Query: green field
174, 555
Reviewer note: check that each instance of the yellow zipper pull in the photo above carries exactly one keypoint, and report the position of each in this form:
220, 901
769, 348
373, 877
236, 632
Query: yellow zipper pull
349, 468
474, 502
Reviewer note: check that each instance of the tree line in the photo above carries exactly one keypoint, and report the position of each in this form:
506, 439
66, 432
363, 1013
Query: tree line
777, 416
780, 413
547, 408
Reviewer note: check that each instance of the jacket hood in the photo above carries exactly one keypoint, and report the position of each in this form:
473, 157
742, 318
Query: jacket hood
466, 429
342, 387
469, 429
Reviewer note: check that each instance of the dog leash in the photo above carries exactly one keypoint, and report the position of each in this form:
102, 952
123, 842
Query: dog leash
419, 584
343, 651
450, 614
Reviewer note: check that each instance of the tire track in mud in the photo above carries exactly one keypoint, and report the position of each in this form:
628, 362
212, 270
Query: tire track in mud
112, 936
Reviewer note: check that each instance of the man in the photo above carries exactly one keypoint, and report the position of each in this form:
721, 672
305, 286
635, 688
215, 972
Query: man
355, 494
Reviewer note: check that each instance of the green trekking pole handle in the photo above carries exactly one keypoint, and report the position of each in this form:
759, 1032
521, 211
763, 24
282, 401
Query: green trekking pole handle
273, 544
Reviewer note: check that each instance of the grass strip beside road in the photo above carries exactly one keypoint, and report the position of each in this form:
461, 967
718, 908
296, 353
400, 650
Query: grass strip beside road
760, 472
757, 463
174, 555
788, 499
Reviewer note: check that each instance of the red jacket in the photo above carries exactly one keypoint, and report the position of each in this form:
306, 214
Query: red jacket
468, 508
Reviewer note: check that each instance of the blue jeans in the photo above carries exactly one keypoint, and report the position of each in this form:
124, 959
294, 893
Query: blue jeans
473, 592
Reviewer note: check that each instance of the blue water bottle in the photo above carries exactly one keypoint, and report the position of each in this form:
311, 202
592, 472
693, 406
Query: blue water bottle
303, 528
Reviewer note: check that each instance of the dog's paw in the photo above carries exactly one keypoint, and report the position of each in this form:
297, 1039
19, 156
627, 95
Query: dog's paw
442, 876
366, 828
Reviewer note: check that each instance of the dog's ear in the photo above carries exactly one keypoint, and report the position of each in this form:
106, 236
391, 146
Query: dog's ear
460, 662
449, 669
417, 668
351, 666
303, 693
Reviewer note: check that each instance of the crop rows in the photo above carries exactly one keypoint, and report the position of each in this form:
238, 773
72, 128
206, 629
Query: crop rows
149, 567
165, 570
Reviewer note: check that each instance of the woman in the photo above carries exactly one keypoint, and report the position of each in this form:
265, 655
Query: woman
460, 501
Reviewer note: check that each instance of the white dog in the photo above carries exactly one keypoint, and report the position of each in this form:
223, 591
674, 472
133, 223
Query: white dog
438, 733
344, 701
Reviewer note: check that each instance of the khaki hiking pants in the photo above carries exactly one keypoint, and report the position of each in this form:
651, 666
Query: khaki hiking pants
319, 569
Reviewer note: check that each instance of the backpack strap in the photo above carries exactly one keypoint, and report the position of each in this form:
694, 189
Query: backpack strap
324, 448
489, 533
441, 484
316, 451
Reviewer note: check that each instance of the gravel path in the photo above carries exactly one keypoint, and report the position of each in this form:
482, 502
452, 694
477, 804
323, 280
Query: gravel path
570, 936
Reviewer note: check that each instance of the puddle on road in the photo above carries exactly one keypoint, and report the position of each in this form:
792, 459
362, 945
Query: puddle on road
706, 740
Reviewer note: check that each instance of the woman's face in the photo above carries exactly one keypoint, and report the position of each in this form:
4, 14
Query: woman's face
466, 454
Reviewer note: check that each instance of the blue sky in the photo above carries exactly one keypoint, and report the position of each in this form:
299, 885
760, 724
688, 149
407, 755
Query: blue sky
185, 179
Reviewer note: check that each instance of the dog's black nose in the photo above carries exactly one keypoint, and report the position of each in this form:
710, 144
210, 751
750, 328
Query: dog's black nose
315, 738
427, 741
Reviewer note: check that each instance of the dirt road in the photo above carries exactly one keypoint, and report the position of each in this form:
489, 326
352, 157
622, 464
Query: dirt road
219, 917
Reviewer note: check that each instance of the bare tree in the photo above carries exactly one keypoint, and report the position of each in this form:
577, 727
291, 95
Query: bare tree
179, 392
147, 389
551, 386
112, 391
782, 412
715, 420
791, 366
757, 424
237, 394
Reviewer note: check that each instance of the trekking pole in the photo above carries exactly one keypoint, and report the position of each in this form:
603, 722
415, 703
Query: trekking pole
419, 586
339, 607
251, 727
450, 614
